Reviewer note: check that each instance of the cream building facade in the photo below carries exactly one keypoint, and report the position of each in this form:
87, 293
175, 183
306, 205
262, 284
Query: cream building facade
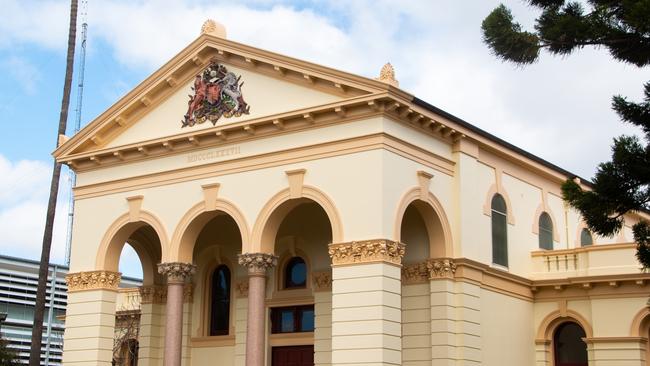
331, 219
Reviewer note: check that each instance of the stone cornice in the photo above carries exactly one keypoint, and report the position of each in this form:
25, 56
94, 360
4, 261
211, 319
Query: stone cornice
176, 272
93, 280
367, 251
258, 263
322, 281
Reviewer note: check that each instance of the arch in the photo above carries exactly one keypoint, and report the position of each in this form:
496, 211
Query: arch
542, 208
487, 204
582, 226
190, 225
553, 320
271, 216
414, 195
640, 323
119, 232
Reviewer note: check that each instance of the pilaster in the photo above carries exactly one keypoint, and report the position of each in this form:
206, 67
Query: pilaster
366, 302
90, 317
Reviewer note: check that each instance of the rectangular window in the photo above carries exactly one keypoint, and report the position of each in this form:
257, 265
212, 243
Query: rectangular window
292, 319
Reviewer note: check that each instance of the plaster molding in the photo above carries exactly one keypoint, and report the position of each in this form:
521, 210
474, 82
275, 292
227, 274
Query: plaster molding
367, 251
242, 288
135, 205
257, 263
296, 179
93, 280
176, 272
424, 180
441, 268
322, 281
210, 195
430, 269
415, 273
154, 294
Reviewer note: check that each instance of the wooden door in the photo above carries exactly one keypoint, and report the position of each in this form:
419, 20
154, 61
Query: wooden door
293, 356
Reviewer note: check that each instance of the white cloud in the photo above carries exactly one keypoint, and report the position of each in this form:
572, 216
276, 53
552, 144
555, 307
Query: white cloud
44, 23
24, 72
24, 191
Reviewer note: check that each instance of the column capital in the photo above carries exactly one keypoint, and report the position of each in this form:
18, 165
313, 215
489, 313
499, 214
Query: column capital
367, 251
93, 280
258, 263
176, 272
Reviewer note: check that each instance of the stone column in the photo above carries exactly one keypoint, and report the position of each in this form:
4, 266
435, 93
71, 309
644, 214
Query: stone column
176, 274
366, 302
257, 264
90, 318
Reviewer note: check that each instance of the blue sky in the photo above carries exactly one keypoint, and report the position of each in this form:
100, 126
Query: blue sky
557, 109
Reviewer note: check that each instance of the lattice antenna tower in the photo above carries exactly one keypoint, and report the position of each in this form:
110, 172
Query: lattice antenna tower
77, 125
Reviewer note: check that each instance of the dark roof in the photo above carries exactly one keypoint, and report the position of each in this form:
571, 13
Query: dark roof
419, 102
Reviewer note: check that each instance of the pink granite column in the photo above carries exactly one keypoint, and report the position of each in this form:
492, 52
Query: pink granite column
257, 264
176, 274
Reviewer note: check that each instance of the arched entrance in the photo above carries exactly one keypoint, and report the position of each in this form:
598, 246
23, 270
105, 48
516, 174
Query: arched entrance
216, 243
569, 348
298, 231
147, 240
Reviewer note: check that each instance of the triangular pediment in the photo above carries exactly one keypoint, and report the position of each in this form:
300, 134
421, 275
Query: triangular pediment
272, 84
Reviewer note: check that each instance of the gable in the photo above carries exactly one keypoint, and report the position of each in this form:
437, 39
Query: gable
265, 95
273, 84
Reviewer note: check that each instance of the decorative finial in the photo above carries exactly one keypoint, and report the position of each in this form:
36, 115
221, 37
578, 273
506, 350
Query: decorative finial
387, 75
213, 28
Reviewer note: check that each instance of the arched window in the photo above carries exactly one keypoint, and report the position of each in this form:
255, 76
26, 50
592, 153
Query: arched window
568, 346
499, 231
295, 273
220, 301
585, 237
545, 231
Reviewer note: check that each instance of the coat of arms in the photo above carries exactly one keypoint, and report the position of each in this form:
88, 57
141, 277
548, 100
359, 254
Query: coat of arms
217, 92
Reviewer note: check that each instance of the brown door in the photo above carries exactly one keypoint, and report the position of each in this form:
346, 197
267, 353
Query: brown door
293, 356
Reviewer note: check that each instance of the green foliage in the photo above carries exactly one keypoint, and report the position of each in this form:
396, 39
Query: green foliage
622, 185
621, 26
8, 356
506, 38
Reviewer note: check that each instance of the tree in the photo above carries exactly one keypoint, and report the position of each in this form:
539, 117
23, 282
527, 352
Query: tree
37, 330
622, 185
8, 356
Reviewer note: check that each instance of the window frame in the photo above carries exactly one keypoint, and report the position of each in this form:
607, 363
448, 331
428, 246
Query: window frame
286, 276
297, 310
502, 216
591, 237
210, 303
545, 233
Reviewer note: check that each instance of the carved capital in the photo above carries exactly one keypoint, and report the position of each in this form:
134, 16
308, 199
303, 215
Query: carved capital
258, 263
176, 272
153, 294
93, 280
443, 267
428, 270
379, 250
322, 281
415, 273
